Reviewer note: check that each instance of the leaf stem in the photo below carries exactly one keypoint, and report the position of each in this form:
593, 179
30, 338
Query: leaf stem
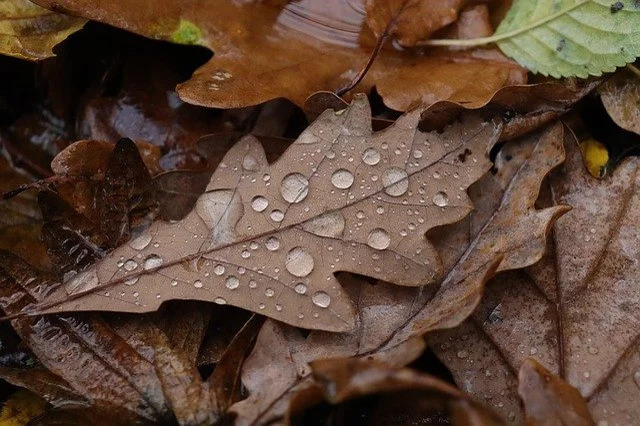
634, 69
499, 37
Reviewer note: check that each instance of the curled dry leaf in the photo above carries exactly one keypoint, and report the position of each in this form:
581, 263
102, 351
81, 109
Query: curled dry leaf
620, 95
574, 312
549, 400
29, 31
406, 396
263, 52
390, 318
269, 237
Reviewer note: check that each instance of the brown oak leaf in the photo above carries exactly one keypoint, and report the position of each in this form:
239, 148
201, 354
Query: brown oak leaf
270, 237
392, 318
263, 52
574, 312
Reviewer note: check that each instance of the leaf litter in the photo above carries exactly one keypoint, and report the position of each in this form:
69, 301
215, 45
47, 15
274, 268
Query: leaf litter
472, 193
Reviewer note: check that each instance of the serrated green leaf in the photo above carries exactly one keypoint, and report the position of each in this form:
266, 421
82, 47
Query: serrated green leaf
567, 38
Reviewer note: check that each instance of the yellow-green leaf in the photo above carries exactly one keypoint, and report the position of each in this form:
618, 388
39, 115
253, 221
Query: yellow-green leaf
29, 31
565, 38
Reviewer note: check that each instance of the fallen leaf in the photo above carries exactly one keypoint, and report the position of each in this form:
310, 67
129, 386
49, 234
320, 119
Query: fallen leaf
269, 237
20, 408
391, 319
20, 218
404, 396
573, 312
111, 371
549, 400
572, 38
28, 31
410, 20
264, 52
620, 95
41, 381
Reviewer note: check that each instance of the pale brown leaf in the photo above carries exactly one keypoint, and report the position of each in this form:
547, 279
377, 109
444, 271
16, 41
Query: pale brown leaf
549, 400
620, 95
391, 319
574, 312
270, 237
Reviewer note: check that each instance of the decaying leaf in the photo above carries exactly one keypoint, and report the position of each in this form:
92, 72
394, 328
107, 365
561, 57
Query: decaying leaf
391, 317
574, 312
264, 51
620, 95
404, 396
269, 237
28, 31
549, 400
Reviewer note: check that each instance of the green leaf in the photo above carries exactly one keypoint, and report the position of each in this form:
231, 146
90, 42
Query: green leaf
565, 38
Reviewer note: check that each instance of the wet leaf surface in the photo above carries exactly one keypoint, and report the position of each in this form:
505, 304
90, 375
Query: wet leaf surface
264, 51
392, 319
263, 237
572, 312
29, 31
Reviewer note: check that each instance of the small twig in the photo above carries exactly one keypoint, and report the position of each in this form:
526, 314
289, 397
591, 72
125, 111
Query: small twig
634, 69
374, 54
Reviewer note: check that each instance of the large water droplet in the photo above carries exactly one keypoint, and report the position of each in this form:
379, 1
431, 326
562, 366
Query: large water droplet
636, 378
132, 280
328, 225
218, 270
83, 281
269, 292
321, 299
232, 282
272, 244
152, 261
130, 265
440, 199
141, 242
395, 181
294, 187
299, 262
300, 288
276, 216
219, 301
342, 179
259, 203
371, 156
378, 239
250, 164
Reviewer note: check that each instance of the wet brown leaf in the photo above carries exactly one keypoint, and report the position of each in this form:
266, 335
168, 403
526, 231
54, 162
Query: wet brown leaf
28, 31
263, 52
411, 20
20, 218
269, 237
505, 232
621, 97
84, 351
404, 396
573, 312
549, 400
44, 383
